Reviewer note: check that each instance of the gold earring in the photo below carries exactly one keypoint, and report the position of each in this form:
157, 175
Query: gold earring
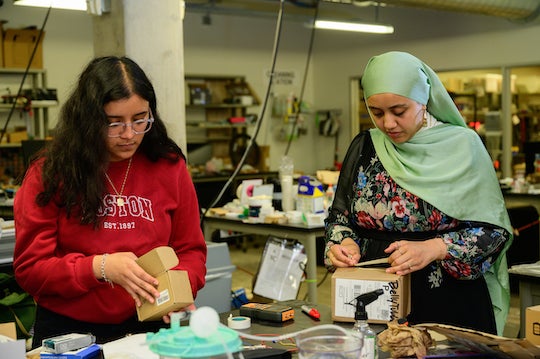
425, 119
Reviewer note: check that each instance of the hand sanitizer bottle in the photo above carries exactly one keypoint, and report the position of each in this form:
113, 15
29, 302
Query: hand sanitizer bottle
361, 326
369, 348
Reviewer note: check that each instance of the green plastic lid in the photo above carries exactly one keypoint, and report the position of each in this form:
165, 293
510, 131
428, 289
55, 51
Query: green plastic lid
181, 342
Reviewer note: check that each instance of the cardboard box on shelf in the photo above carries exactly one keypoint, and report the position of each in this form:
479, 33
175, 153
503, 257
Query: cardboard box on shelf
17, 136
348, 283
264, 158
174, 286
19, 45
532, 324
2, 43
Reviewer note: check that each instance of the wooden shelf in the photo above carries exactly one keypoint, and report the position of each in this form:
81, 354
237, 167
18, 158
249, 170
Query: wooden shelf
18, 71
10, 145
36, 79
220, 106
212, 100
11, 157
35, 104
211, 125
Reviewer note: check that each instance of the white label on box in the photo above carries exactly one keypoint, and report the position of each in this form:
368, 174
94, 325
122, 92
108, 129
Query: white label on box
163, 297
386, 307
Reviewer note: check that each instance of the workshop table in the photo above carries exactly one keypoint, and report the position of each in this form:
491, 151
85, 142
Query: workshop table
307, 235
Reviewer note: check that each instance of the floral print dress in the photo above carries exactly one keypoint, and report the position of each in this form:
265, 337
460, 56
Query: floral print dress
380, 211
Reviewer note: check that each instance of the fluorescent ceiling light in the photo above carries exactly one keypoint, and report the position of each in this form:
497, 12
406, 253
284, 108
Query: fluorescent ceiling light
354, 26
57, 4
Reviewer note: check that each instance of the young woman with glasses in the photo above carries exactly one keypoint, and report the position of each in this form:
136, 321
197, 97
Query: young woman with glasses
110, 187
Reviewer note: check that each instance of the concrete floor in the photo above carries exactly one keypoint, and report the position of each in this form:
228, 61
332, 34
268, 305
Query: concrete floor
245, 255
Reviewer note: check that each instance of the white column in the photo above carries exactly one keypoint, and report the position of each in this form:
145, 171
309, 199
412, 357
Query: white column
506, 119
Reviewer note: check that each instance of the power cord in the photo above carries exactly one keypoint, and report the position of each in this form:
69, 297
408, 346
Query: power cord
304, 80
25, 74
259, 119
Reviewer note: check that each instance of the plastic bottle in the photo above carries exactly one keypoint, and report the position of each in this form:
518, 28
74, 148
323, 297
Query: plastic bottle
286, 170
362, 329
537, 163
329, 195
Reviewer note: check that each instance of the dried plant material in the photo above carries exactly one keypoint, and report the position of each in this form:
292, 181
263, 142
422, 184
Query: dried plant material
403, 341
492, 346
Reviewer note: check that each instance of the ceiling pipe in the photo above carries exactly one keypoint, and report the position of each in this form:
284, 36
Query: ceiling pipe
516, 10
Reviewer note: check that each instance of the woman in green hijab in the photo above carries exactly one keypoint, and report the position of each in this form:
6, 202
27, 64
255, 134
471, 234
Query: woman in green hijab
420, 189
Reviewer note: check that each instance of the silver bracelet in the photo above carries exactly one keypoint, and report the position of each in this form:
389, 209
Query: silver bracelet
103, 275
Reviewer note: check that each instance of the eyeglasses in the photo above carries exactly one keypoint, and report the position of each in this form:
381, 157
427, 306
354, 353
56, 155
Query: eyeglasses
115, 129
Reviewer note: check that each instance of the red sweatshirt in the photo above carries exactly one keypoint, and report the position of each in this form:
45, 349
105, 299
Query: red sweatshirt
53, 253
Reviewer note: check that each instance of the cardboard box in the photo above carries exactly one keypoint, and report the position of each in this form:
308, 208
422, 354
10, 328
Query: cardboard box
18, 136
310, 197
348, 283
18, 47
532, 324
15, 349
9, 330
174, 287
1, 43
264, 158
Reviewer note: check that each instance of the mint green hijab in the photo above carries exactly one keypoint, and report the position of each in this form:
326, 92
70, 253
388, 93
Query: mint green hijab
445, 165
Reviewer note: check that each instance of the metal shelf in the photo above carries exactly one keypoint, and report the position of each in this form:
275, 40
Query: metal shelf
35, 104
37, 79
210, 125
213, 99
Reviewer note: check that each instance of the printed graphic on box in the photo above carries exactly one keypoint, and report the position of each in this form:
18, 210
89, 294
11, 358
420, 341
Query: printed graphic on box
385, 308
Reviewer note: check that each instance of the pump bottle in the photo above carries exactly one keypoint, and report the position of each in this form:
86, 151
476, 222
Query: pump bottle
369, 338
361, 326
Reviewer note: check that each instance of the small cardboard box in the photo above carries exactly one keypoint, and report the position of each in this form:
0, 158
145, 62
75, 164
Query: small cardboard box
348, 283
11, 349
174, 287
9, 330
18, 136
310, 198
532, 324
18, 47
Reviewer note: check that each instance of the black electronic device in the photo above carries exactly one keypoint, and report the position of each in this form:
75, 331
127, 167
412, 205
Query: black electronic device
267, 311
266, 353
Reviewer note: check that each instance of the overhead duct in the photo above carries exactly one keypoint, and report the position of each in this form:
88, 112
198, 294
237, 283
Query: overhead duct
518, 10
515, 10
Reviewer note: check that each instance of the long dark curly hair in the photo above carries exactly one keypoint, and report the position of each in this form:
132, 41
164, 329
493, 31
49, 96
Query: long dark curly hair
76, 159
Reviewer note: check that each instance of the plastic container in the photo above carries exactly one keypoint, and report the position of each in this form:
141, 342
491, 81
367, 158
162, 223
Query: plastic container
369, 337
216, 293
207, 339
259, 207
328, 344
329, 194
286, 170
